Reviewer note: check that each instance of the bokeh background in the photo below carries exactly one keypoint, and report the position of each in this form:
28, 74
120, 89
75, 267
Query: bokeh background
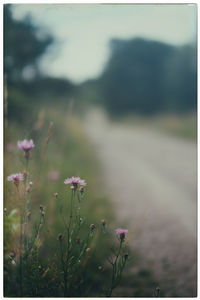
119, 83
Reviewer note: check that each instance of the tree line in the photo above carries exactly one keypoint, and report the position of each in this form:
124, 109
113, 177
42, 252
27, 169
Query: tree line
141, 76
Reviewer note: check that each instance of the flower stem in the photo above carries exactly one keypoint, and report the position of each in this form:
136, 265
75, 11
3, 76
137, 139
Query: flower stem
64, 269
69, 240
20, 246
20, 259
114, 270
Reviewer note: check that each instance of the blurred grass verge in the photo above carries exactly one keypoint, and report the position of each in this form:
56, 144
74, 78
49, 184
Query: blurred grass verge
181, 126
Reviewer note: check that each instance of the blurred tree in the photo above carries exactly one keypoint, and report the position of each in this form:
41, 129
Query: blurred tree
23, 45
144, 76
181, 80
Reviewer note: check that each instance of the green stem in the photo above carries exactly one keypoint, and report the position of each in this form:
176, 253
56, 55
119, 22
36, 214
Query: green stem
64, 269
69, 238
27, 162
20, 247
26, 179
20, 259
114, 270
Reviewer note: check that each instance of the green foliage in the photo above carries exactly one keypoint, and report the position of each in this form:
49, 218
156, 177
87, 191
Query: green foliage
18, 106
22, 45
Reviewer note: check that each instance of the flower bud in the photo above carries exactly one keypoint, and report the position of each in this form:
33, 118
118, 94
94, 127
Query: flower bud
78, 240
25, 174
56, 194
43, 213
157, 291
92, 227
12, 255
28, 215
81, 189
88, 250
28, 189
103, 222
41, 207
60, 236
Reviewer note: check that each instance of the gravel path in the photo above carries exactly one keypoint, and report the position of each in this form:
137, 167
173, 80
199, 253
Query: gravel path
151, 179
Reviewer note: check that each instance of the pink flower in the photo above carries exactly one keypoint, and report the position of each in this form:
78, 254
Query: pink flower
53, 175
75, 181
16, 178
121, 232
25, 145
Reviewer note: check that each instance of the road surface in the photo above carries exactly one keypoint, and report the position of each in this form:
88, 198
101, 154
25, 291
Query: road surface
151, 179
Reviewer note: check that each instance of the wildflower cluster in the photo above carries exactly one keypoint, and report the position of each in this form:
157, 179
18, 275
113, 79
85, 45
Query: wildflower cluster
75, 240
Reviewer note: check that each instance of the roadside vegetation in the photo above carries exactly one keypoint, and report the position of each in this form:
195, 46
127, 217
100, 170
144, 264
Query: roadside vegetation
55, 246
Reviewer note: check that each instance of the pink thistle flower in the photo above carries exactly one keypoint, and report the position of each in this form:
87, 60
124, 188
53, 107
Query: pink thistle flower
75, 181
121, 232
53, 175
16, 178
25, 145
82, 182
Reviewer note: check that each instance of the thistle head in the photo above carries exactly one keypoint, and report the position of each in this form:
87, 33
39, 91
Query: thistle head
16, 178
75, 181
121, 233
26, 145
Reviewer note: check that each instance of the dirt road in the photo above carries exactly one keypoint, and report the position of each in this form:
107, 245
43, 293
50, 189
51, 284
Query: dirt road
151, 179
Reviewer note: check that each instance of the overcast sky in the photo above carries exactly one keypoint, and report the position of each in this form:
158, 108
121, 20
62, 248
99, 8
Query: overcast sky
83, 31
